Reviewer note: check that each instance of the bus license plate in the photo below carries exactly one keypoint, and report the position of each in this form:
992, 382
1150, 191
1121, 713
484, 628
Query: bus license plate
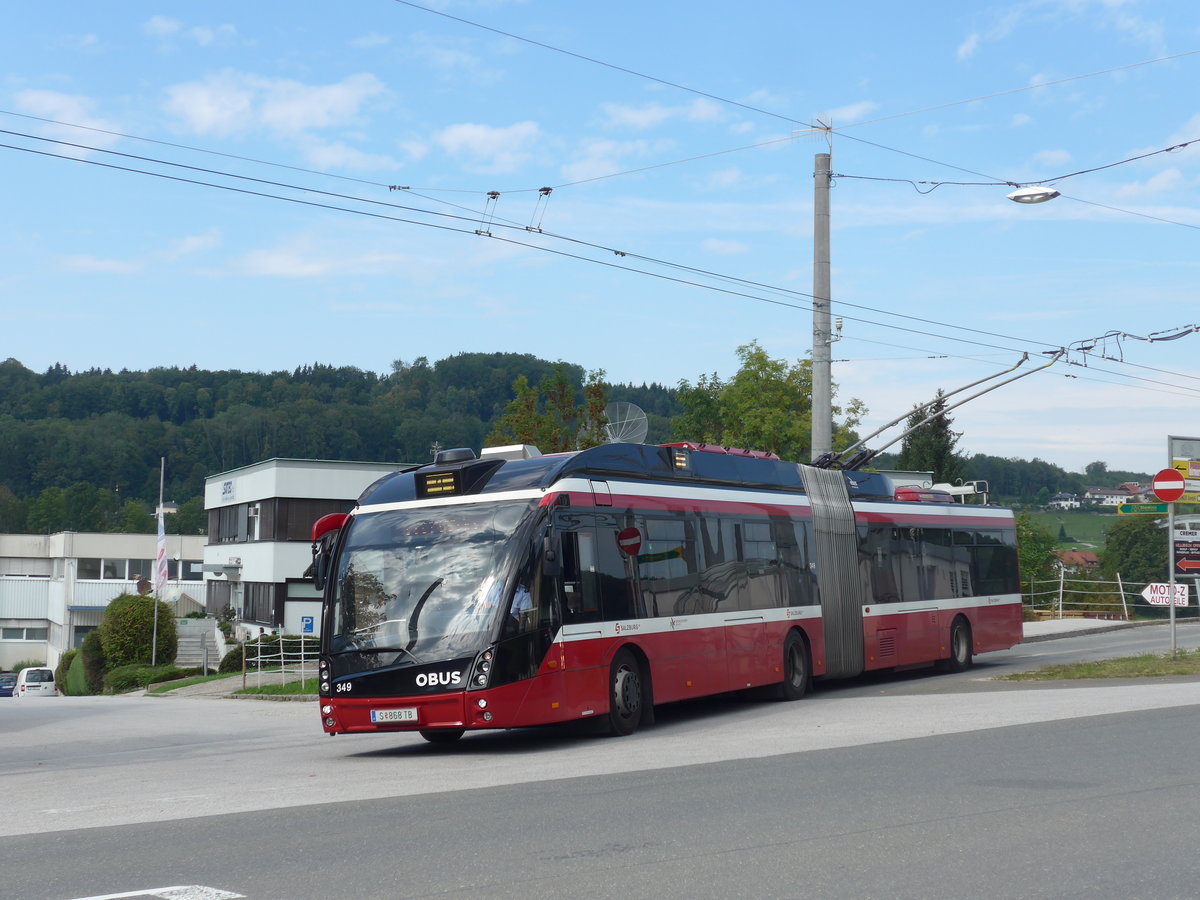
407, 714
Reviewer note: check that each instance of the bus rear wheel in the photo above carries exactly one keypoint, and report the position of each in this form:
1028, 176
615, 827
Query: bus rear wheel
626, 694
442, 736
795, 668
960, 647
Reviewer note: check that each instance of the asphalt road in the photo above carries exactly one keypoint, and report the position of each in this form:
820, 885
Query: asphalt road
917, 786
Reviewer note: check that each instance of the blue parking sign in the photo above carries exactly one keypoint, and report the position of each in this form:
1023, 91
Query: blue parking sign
306, 624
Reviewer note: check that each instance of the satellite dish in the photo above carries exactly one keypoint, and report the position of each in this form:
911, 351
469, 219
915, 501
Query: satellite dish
626, 423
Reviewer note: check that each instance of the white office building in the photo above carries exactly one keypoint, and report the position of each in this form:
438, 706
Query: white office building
260, 521
54, 588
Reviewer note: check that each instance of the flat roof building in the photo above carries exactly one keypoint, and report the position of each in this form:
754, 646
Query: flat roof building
260, 521
54, 587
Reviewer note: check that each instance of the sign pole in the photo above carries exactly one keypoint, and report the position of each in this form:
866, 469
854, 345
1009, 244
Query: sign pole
1171, 563
1168, 486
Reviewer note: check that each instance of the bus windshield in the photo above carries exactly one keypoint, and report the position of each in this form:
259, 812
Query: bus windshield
425, 584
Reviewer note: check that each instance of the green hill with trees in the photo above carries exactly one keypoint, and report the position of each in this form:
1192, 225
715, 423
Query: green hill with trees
80, 450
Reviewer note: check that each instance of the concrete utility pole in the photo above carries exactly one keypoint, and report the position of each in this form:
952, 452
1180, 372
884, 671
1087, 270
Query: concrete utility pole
822, 378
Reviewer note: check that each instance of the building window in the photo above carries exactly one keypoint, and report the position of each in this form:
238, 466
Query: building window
88, 568
24, 634
192, 570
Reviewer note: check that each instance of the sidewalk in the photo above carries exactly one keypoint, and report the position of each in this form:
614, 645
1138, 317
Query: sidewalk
226, 687
1049, 629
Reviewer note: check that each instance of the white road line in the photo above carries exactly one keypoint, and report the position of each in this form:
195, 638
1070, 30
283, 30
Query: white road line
178, 892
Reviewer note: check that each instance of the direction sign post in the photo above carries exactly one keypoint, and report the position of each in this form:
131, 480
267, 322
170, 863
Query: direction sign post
1169, 485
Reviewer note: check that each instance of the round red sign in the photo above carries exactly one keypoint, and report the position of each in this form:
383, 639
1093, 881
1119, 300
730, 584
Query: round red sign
1169, 485
630, 541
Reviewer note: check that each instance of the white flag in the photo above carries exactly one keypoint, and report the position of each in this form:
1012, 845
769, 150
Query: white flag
160, 564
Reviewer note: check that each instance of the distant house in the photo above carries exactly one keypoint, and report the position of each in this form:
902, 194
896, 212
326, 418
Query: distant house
1110, 496
1065, 501
1077, 560
1138, 493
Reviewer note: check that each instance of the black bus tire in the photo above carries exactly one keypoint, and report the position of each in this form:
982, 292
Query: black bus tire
959, 659
626, 693
795, 668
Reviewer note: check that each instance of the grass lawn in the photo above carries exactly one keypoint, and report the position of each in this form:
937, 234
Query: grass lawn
1086, 529
308, 686
1184, 662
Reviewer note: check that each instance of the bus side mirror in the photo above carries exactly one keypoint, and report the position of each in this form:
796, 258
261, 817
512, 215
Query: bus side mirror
322, 555
324, 532
550, 562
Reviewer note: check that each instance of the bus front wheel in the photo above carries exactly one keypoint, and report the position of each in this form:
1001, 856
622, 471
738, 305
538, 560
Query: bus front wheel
626, 694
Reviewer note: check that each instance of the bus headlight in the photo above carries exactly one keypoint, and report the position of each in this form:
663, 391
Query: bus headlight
481, 670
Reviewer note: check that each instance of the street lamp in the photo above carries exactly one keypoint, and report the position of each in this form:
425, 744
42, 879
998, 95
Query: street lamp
1033, 193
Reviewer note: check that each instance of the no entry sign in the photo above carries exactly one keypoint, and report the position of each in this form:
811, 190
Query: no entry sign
1169, 485
630, 541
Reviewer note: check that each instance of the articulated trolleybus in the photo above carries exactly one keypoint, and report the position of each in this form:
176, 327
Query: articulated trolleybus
518, 589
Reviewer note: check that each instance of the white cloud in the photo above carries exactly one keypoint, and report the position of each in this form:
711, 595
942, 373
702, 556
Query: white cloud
968, 47
726, 178
603, 157
368, 41
1166, 180
488, 149
1020, 120
162, 27
94, 265
1052, 157
652, 115
620, 116
342, 156
1009, 22
72, 108
231, 102
308, 257
192, 244
849, 113
724, 247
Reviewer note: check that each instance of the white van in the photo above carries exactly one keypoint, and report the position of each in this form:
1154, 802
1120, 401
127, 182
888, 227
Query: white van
35, 682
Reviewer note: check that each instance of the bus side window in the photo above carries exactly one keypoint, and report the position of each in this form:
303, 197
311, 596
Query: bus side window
581, 599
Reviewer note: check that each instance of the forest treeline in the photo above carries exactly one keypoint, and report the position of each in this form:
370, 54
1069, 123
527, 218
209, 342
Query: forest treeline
94, 439
81, 450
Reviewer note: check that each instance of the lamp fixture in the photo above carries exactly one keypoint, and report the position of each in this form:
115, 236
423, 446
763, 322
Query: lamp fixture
1033, 193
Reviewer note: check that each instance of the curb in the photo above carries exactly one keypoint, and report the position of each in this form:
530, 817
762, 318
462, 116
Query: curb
1103, 629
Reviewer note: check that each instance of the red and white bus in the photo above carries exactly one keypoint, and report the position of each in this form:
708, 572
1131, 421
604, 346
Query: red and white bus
516, 589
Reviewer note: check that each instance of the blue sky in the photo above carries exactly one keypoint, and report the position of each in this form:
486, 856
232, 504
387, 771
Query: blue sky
677, 140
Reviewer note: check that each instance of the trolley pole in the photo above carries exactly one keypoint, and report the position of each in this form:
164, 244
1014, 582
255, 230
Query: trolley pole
822, 378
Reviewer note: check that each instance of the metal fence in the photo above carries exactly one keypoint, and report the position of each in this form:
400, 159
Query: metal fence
279, 659
1095, 598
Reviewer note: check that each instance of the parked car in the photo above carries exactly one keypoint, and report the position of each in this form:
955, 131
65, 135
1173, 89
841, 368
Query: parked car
8, 680
35, 682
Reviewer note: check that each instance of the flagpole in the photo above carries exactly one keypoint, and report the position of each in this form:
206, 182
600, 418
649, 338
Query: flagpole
159, 561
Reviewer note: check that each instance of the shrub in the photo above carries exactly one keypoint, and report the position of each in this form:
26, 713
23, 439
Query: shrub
127, 631
77, 681
64, 666
92, 654
232, 661
130, 678
28, 664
